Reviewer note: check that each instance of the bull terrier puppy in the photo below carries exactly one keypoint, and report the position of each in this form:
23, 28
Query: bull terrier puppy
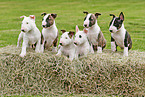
67, 46
30, 34
119, 36
20, 38
49, 32
95, 35
83, 46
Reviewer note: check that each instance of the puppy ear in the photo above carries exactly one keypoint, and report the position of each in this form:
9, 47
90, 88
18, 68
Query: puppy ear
71, 33
112, 15
63, 31
97, 14
22, 16
85, 30
77, 28
121, 16
43, 14
32, 17
53, 15
85, 12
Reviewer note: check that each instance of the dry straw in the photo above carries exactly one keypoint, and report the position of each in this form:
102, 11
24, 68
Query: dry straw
46, 74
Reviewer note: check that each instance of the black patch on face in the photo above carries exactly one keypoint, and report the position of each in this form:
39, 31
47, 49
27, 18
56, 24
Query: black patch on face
80, 36
49, 21
117, 23
92, 21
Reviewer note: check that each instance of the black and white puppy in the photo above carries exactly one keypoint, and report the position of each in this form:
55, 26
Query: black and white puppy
49, 32
95, 35
119, 36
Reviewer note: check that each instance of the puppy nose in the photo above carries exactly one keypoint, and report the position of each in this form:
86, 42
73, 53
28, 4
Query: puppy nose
60, 43
110, 30
75, 43
85, 25
43, 25
23, 30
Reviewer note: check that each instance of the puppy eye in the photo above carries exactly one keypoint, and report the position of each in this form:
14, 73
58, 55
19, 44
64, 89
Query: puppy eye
27, 23
65, 37
80, 36
42, 19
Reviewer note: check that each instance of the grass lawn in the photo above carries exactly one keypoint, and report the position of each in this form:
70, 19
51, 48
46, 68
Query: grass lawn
70, 13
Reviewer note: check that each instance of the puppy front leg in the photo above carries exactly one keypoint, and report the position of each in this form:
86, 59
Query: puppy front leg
71, 56
113, 45
76, 55
54, 49
91, 49
99, 48
59, 52
42, 46
20, 39
38, 47
126, 45
24, 46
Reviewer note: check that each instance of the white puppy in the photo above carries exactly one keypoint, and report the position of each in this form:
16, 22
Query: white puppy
82, 43
67, 44
30, 34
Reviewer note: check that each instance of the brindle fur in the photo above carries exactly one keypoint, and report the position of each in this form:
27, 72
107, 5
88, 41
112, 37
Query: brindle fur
101, 42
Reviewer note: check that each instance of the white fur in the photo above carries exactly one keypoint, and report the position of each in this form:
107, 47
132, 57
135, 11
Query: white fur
125, 51
20, 38
86, 22
49, 34
119, 36
83, 47
31, 35
113, 46
99, 50
93, 34
67, 48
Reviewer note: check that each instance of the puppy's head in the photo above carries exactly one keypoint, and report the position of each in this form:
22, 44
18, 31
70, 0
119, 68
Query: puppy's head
48, 20
80, 36
66, 38
90, 19
116, 22
28, 23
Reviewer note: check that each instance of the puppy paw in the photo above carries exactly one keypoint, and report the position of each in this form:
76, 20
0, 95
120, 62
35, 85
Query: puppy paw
99, 50
125, 51
22, 55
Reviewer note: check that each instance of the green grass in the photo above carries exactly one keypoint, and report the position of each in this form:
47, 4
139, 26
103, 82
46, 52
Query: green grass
70, 13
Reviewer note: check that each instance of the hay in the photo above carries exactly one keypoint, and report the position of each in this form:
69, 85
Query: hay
46, 74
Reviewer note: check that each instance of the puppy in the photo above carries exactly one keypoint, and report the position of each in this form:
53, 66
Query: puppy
49, 32
20, 38
83, 46
30, 34
67, 46
95, 36
119, 36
